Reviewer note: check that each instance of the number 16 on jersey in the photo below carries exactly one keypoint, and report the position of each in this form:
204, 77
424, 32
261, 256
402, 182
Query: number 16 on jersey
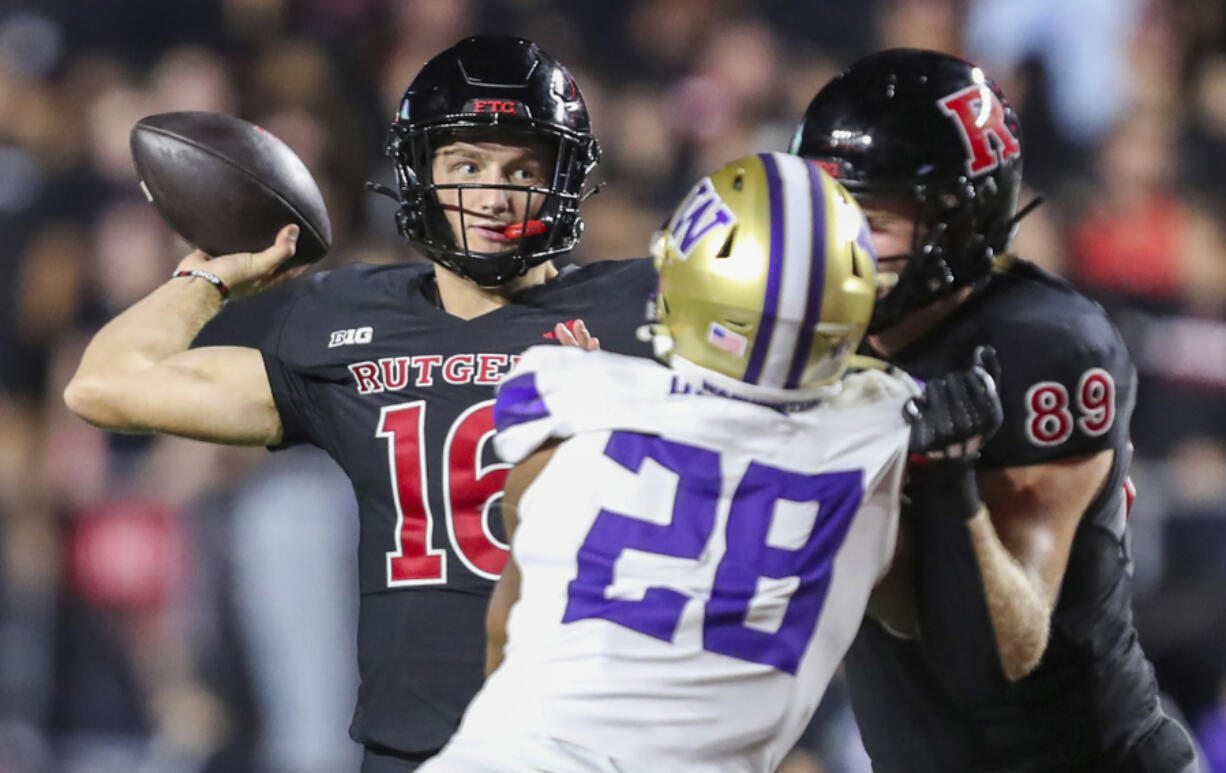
469, 491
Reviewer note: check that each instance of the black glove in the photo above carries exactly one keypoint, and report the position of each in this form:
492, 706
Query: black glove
957, 413
950, 422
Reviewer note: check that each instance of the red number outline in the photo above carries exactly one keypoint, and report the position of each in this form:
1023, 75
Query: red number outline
1037, 414
474, 562
428, 575
1095, 417
403, 427
1086, 422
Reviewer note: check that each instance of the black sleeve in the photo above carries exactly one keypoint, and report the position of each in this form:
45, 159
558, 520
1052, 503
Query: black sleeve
1067, 388
250, 321
290, 388
290, 393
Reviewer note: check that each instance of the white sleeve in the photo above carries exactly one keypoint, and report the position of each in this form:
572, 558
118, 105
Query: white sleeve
523, 412
556, 392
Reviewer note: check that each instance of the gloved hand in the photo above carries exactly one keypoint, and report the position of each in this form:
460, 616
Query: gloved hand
950, 422
957, 413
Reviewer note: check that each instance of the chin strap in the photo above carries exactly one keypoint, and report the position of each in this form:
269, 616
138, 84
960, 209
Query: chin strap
1031, 206
590, 192
382, 190
403, 222
864, 362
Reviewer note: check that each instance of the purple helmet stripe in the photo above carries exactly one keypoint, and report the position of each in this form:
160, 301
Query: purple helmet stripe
770, 301
817, 280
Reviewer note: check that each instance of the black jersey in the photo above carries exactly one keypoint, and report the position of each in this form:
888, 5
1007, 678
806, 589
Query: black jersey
400, 394
1068, 388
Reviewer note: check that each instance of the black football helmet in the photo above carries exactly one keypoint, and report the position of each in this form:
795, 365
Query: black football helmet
491, 83
909, 123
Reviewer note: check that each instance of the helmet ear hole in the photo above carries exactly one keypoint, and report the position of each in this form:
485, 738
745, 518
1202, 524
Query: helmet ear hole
857, 256
726, 250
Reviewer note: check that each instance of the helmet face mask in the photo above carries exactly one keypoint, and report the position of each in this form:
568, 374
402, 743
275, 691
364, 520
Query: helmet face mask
930, 128
508, 91
947, 251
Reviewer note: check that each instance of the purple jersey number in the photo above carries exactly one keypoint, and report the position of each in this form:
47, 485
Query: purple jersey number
749, 557
698, 482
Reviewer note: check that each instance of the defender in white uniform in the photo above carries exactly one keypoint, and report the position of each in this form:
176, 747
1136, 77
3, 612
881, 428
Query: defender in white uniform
694, 543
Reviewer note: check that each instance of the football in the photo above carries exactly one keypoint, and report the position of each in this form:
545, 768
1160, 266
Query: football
226, 185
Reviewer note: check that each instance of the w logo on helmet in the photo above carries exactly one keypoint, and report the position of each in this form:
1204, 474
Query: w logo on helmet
980, 118
696, 216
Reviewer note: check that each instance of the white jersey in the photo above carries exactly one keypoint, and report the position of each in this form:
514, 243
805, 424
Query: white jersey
693, 567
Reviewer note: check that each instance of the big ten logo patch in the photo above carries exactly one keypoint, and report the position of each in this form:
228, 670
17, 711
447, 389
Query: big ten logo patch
348, 336
702, 211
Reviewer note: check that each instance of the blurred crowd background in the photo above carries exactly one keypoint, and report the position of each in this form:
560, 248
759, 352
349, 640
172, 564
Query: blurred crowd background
171, 606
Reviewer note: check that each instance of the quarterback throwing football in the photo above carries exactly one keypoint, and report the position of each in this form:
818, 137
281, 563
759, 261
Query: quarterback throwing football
391, 369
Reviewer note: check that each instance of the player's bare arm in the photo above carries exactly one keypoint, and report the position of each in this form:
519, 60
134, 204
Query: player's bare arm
506, 590
1022, 542
1020, 617
1034, 514
138, 375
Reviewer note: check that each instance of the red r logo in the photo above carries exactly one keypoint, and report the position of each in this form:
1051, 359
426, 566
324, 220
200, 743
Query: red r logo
980, 118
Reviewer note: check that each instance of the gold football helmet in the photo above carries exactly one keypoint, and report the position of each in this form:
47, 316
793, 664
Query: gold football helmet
767, 280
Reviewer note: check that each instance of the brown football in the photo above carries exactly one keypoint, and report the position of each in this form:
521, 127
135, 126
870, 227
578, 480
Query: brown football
226, 185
